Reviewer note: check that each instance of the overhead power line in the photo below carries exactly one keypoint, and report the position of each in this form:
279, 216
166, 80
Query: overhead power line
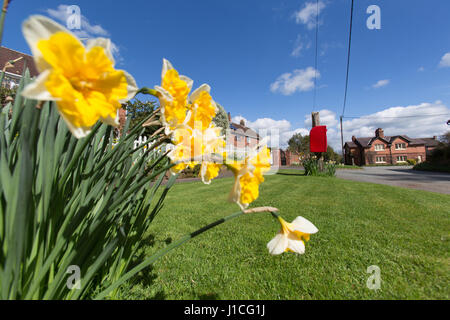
346, 76
397, 117
316, 55
348, 59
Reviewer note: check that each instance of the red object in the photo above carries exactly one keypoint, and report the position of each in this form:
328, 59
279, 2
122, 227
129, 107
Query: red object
318, 139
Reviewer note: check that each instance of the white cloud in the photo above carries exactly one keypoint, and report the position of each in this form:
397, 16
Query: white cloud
421, 69
299, 80
87, 31
381, 83
308, 14
445, 60
62, 14
299, 45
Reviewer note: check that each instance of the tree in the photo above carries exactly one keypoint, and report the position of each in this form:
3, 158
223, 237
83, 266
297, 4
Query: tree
331, 155
137, 110
221, 119
299, 144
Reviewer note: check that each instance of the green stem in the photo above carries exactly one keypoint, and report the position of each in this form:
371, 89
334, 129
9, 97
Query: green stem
2, 19
145, 90
164, 251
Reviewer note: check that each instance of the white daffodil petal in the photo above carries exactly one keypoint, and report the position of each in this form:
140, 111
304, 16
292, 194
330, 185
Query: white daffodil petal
37, 90
166, 66
235, 192
297, 246
196, 92
104, 43
132, 87
303, 225
278, 244
38, 28
165, 95
188, 81
203, 170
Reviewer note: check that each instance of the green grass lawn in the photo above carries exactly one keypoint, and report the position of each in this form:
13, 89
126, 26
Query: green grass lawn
404, 232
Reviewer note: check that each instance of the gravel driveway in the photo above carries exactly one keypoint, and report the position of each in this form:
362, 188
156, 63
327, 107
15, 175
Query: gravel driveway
401, 177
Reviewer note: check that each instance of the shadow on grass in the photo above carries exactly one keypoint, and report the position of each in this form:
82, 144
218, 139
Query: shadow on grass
290, 174
209, 296
146, 278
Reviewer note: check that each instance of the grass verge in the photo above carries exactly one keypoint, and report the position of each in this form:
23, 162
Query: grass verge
404, 232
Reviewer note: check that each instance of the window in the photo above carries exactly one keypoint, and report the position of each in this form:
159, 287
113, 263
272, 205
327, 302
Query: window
400, 146
380, 159
401, 158
379, 147
248, 139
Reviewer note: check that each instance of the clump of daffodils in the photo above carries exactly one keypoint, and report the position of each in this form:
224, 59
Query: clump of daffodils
196, 139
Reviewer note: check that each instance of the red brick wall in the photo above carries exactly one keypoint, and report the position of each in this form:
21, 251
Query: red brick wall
122, 119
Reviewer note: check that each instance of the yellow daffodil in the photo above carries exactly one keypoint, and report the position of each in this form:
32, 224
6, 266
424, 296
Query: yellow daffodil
209, 171
292, 236
202, 107
173, 96
248, 176
194, 146
81, 79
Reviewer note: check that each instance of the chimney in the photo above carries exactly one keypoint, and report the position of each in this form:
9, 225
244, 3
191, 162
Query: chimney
353, 138
242, 122
379, 133
229, 117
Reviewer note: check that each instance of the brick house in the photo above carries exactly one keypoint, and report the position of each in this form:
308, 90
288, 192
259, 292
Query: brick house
13, 72
240, 136
242, 139
286, 157
382, 149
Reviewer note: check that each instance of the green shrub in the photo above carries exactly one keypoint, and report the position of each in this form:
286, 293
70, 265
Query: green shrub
311, 166
429, 166
412, 162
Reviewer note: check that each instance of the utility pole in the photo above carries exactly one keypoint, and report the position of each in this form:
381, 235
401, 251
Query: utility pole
315, 117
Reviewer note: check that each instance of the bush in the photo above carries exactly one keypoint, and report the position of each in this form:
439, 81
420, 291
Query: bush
429, 166
412, 162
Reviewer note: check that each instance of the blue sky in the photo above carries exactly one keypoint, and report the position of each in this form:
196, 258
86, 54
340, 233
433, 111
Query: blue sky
258, 57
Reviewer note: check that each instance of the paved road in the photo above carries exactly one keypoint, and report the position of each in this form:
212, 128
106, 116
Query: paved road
401, 177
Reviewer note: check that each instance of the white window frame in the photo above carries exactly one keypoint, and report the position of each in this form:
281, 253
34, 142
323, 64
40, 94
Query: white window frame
398, 146
379, 147
406, 158
380, 157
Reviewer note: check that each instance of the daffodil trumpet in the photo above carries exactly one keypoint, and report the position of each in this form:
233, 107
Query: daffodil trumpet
292, 236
